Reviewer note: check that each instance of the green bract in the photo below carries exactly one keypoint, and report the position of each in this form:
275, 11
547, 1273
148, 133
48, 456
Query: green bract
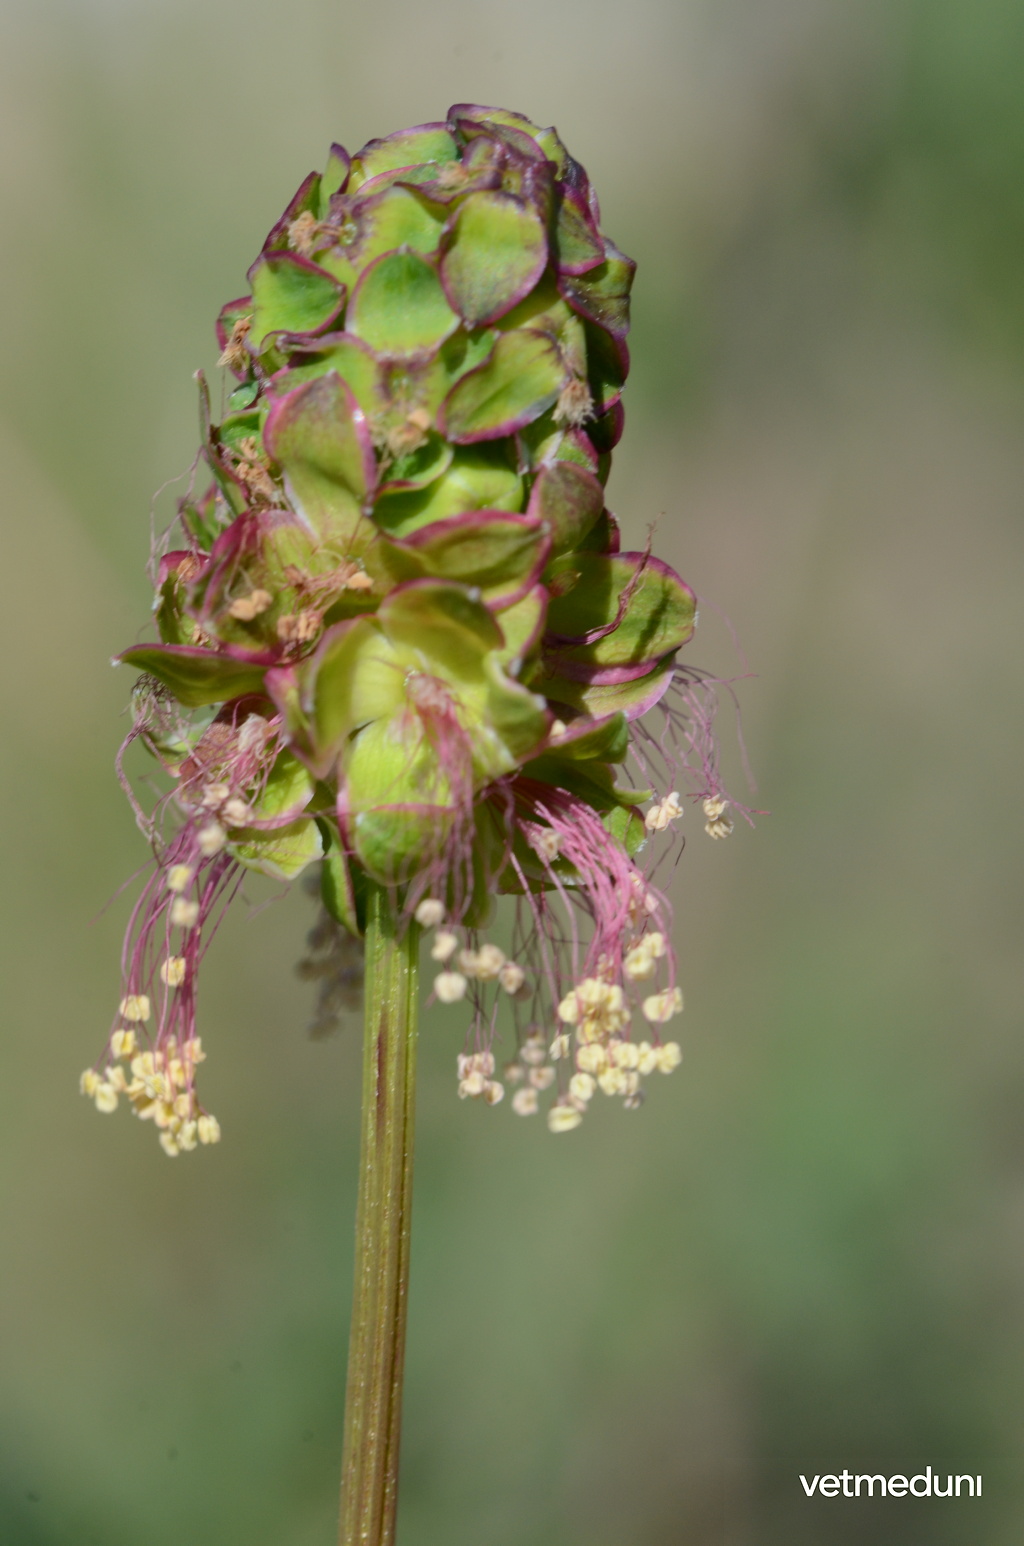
400, 610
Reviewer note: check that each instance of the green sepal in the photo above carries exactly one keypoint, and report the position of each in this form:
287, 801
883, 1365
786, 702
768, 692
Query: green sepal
319, 437
607, 366
477, 478
602, 294
591, 780
495, 553
607, 740
334, 178
352, 359
282, 854
407, 148
240, 426
289, 788
418, 469
570, 499
196, 676
228, 484
291, 295
243, 396
545, 311
631, 698
399, 308
342, 883
578, 244
587, 591
521, 377
353, 677
203, 518
494, 250
627, 827
169, 612
393, 218
522, 625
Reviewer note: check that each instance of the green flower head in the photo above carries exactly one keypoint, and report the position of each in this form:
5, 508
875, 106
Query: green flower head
397, 636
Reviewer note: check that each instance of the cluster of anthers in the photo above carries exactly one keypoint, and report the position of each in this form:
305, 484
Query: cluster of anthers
159, 1084
590, 1047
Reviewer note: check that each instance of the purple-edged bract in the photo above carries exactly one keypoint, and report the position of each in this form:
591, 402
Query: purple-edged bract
397, 634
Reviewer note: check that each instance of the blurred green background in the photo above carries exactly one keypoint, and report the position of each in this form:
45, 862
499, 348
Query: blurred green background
807, 1252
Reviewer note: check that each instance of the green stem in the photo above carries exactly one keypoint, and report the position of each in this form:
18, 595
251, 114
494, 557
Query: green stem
373, 1401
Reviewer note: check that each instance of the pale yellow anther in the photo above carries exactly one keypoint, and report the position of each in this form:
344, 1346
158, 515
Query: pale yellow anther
631, 1081
612, 1081
624, 1054
211, 839
592, 1059
248, 607
718, 824
493, 1092
648, 1059
643, 899
169, 1144
641, 961
670, 1055
303, 232
115, 1077
639, 964
533, 1051
547, 844
450, 987
511, 976
193, 1050
663, 813
179, 877
473, 1085
562, 1119
182, 1106
662, 1006
525, 1102
569, 1009
483, 964
430, 913
188, 1136
172, 972
236, 812
143, 1065
89, 1082
184, 914
582, 1087
123, 1043
513, 1073
208, 1129
105, 1097
135, 1007
558, 729
603, 1009
166, 1116
542, 1078
560, 1046
444, 946
215, 794
475, 1063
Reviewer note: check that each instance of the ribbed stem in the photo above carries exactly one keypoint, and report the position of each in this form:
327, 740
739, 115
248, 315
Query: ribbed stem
373, 1401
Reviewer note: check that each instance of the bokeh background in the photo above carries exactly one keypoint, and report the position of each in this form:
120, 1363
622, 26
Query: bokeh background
807, 1252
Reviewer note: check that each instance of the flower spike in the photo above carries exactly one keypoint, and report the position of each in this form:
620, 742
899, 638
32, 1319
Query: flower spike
397, 636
